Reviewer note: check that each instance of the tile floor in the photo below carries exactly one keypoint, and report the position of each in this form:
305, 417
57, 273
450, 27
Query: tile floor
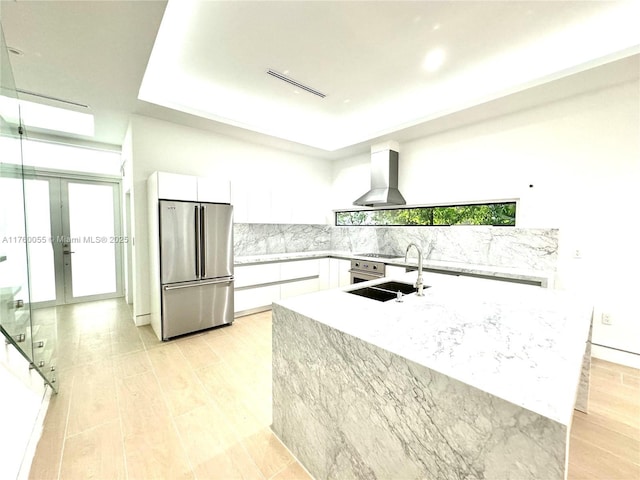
131, 407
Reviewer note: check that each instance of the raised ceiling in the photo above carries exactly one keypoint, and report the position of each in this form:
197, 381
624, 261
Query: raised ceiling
210, 58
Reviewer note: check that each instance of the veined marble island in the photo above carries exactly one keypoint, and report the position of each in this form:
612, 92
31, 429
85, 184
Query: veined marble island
478, 379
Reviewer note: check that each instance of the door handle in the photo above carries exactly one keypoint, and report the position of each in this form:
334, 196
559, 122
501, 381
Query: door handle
198, 284
197, 240
203, 242
68, 252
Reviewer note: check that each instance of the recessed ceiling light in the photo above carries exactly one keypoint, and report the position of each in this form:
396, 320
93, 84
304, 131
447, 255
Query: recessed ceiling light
15, 51
436, 26
346, 100
434, 60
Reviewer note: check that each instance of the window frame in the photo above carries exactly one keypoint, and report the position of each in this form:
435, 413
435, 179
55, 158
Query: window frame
515, 203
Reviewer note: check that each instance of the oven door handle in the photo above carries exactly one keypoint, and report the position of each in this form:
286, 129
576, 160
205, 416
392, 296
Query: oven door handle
367, 274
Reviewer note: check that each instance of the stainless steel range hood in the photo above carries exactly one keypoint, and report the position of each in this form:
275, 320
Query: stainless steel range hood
384, 178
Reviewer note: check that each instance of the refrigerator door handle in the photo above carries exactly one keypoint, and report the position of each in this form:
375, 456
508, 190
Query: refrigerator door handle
197, 240
196, 284
203, 242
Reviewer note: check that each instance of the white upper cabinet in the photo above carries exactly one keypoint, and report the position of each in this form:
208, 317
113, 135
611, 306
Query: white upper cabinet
174, 186
214, 190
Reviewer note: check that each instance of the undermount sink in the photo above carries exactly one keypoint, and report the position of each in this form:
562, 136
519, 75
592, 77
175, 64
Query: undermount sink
386, 291
374, 293
394, 287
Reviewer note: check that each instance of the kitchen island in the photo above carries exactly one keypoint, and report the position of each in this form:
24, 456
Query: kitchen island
476, 379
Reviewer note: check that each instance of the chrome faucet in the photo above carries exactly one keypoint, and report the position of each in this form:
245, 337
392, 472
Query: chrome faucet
419, 285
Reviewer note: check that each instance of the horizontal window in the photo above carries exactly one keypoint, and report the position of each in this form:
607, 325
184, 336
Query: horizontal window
503, 214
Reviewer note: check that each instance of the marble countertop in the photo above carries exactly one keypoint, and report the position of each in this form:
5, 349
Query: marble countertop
280, 257
522, 343
543, 277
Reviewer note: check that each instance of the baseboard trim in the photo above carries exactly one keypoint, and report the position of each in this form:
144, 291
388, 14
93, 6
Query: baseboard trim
251, 311
140, 320
614, 355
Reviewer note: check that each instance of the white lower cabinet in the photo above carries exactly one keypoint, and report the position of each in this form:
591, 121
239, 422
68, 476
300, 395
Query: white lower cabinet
248, 275
299, 269
293, 289
339, 275
256, 297
257, 286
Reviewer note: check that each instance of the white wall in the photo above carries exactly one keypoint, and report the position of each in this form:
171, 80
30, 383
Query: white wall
267, 185
582, 155
128, 213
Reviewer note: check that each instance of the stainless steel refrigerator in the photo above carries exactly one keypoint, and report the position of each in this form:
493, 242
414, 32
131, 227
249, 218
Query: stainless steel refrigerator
196, 266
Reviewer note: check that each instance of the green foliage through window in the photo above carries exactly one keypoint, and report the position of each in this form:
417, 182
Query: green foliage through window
503, 214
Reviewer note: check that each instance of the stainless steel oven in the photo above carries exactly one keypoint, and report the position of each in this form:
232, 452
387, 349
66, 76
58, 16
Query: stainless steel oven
365, 270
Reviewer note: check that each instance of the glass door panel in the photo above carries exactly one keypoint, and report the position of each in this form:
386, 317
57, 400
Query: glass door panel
93, 252
73, 241
41, 241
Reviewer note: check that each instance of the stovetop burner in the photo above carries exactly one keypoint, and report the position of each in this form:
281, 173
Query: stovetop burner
377, 255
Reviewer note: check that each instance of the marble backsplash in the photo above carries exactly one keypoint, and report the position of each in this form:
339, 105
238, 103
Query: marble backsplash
267, 238
526, 248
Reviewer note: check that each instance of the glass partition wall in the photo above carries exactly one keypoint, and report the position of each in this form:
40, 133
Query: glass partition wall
35, 339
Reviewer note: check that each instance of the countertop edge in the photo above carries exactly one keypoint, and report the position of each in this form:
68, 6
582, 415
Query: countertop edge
545, 278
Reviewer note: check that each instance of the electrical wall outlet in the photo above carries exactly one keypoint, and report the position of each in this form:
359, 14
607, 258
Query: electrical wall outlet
577, 253
606, 319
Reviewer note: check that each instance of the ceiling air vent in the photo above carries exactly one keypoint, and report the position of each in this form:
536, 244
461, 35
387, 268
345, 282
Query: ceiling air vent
284, 78
55, 99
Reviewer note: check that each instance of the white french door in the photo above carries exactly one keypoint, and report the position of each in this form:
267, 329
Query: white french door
75, 240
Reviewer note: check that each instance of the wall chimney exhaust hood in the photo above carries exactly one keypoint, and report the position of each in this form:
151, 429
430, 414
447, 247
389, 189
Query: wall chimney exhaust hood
384, 177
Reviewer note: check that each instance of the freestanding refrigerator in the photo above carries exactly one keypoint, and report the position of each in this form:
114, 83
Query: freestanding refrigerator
196, 266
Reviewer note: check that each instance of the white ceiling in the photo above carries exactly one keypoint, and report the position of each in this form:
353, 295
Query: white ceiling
87, 52
209, 61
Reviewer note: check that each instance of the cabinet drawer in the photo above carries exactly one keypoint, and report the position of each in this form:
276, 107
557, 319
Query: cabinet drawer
256, 297
299, 288
256, 274
299, 269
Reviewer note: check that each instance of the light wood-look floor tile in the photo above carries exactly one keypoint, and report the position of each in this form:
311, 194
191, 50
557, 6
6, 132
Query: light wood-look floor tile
267, 452
199, 407
95, 453
46, 462
142, 404
293, 471
212, 446
131, 364
232, 464
198, 352
181, 387
605, 443
157, 453
93, 397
